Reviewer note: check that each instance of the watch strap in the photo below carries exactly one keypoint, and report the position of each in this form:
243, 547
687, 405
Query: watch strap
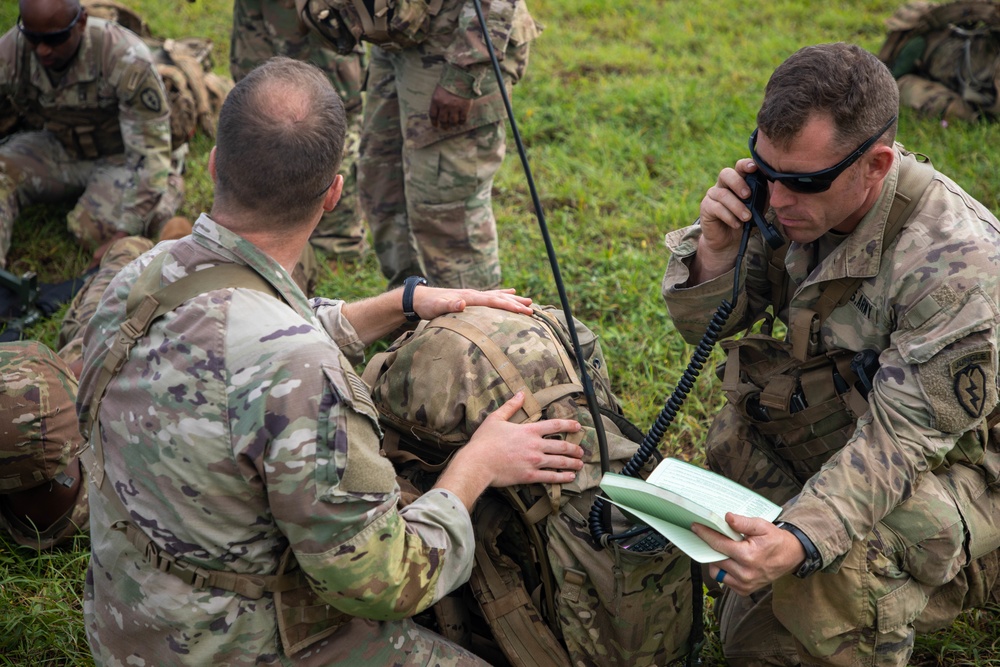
813, 559
409, 286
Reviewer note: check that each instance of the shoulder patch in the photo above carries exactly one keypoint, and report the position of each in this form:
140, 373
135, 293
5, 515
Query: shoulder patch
960, 383
151, 99
970, 389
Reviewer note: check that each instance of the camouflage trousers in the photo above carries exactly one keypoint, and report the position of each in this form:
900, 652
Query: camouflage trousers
35, 168
39, 441
84, 304
932, 557
429, 207
935, 100
266, 28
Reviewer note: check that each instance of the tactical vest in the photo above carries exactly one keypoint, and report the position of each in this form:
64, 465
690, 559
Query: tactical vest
946, 57
303, 618
391, 24
807, 402
87, 133
540, 591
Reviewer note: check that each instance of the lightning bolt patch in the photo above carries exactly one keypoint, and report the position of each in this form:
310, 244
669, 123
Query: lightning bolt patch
970, 389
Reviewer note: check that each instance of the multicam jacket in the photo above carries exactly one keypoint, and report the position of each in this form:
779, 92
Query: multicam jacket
238, 428
110, 101
930, 305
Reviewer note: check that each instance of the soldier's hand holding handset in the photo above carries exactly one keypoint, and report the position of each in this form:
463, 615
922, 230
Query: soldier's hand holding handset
723, 214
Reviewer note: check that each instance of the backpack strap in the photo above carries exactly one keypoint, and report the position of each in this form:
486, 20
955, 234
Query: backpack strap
145, 305
513, 617
531, 410
914, 177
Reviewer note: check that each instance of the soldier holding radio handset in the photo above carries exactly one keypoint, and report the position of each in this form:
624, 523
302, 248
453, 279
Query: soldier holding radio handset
875, 429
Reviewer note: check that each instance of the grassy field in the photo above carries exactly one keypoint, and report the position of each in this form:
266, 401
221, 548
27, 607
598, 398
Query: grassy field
628, 112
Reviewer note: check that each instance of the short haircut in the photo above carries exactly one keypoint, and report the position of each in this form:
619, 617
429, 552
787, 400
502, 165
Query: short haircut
280, 141
66, 9
850, 85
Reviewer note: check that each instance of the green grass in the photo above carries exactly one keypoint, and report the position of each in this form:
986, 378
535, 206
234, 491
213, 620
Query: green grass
628, 111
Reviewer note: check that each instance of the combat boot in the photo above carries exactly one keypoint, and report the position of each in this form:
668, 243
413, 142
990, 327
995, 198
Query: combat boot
176, 227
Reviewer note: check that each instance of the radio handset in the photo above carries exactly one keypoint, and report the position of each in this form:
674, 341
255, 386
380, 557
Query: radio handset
757, 203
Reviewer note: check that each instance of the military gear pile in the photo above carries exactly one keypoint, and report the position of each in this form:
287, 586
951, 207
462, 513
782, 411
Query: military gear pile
194, 92
540, 589
946, 58
391, 24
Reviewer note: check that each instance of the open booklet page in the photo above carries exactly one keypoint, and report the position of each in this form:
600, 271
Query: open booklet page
678, 494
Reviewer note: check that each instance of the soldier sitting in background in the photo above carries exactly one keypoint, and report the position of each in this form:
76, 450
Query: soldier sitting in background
83, 114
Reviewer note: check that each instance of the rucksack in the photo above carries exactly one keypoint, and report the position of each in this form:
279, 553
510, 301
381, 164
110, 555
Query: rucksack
946, 57
541, 592
194, 92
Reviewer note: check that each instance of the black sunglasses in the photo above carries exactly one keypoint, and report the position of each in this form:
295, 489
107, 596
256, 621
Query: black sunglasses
817, 181
54, 38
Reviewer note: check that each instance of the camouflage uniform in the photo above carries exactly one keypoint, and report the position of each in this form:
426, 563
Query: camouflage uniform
426, 192
39, 437
238, 429
902, 550
102, 134
266, 28
35, 380
85, 303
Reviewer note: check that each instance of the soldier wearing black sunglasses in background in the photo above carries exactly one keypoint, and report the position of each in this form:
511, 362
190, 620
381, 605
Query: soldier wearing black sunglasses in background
870, 422
83, 116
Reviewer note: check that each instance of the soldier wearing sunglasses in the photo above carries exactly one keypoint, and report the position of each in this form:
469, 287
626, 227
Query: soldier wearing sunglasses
84, 118
872, 421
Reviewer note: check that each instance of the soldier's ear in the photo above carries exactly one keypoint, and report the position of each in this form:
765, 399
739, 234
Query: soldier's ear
211, 166
333, 194
880, 162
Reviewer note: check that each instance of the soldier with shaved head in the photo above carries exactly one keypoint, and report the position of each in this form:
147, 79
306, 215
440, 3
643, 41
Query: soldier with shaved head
83, 118
241, 510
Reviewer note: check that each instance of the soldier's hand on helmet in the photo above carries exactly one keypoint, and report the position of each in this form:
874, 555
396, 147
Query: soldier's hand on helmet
429, 302
722, 215
765, 554
448, 110
501, 453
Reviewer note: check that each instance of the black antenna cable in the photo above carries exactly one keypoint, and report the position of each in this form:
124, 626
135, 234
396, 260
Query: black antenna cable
588, 387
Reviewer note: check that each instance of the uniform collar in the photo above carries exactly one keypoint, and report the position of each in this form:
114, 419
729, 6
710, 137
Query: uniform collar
859, 255
234, 248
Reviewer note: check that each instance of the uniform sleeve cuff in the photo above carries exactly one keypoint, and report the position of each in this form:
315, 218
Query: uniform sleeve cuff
815, 519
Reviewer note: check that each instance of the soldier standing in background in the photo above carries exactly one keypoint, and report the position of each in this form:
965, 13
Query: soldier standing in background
433, 135
266, 28
83, 114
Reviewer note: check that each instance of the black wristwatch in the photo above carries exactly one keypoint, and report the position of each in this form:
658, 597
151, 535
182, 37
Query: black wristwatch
813, 560
409, 285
